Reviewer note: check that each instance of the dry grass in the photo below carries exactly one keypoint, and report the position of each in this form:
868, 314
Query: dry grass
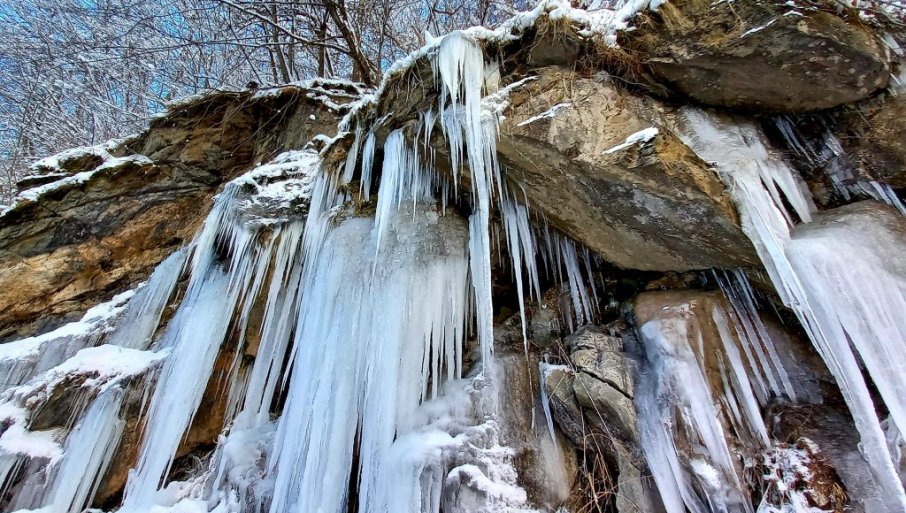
596, 487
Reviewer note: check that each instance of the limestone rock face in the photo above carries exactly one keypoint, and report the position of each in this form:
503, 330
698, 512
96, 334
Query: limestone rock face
759, 56
119, 211
649, 205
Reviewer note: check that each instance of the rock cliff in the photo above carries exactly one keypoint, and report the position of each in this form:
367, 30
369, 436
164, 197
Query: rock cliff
631, 261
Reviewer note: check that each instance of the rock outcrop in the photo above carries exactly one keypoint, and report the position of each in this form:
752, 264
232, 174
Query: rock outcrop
650, 204
593, 156
872, 135
760, 56
592, 402
114, 213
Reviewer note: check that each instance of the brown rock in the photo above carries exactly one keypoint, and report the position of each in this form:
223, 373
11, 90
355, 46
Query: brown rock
760, 56
650, 205
872, 135
83, 242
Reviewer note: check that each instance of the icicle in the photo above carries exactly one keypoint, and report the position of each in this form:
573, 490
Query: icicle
367, 165
353, 156
277, 326
88, 453
832, 295
581, 304
459, 63
365, 321
827, 154
521, 244
194, 337
544, 369
758, 345
675, 401
143, 313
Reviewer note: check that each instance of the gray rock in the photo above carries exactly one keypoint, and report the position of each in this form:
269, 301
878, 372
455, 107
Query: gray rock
602, 357
636, 490
546, 468
564, 407
611, 410
760, 56
649, 205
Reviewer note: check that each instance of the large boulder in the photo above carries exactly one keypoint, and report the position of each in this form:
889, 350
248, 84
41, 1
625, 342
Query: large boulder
596, 161
764, 56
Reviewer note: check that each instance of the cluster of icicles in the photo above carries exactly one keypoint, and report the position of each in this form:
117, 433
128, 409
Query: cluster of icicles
367, 322
365, 326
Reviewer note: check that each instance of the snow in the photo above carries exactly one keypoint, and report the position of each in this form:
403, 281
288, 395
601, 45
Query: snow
640, 137
600, 23
329, 92
36, 193
757, 29
34, 444
22, 359
53, 162
105, 363
287, 178
706, 473
494, 104
549, 113
789, 478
